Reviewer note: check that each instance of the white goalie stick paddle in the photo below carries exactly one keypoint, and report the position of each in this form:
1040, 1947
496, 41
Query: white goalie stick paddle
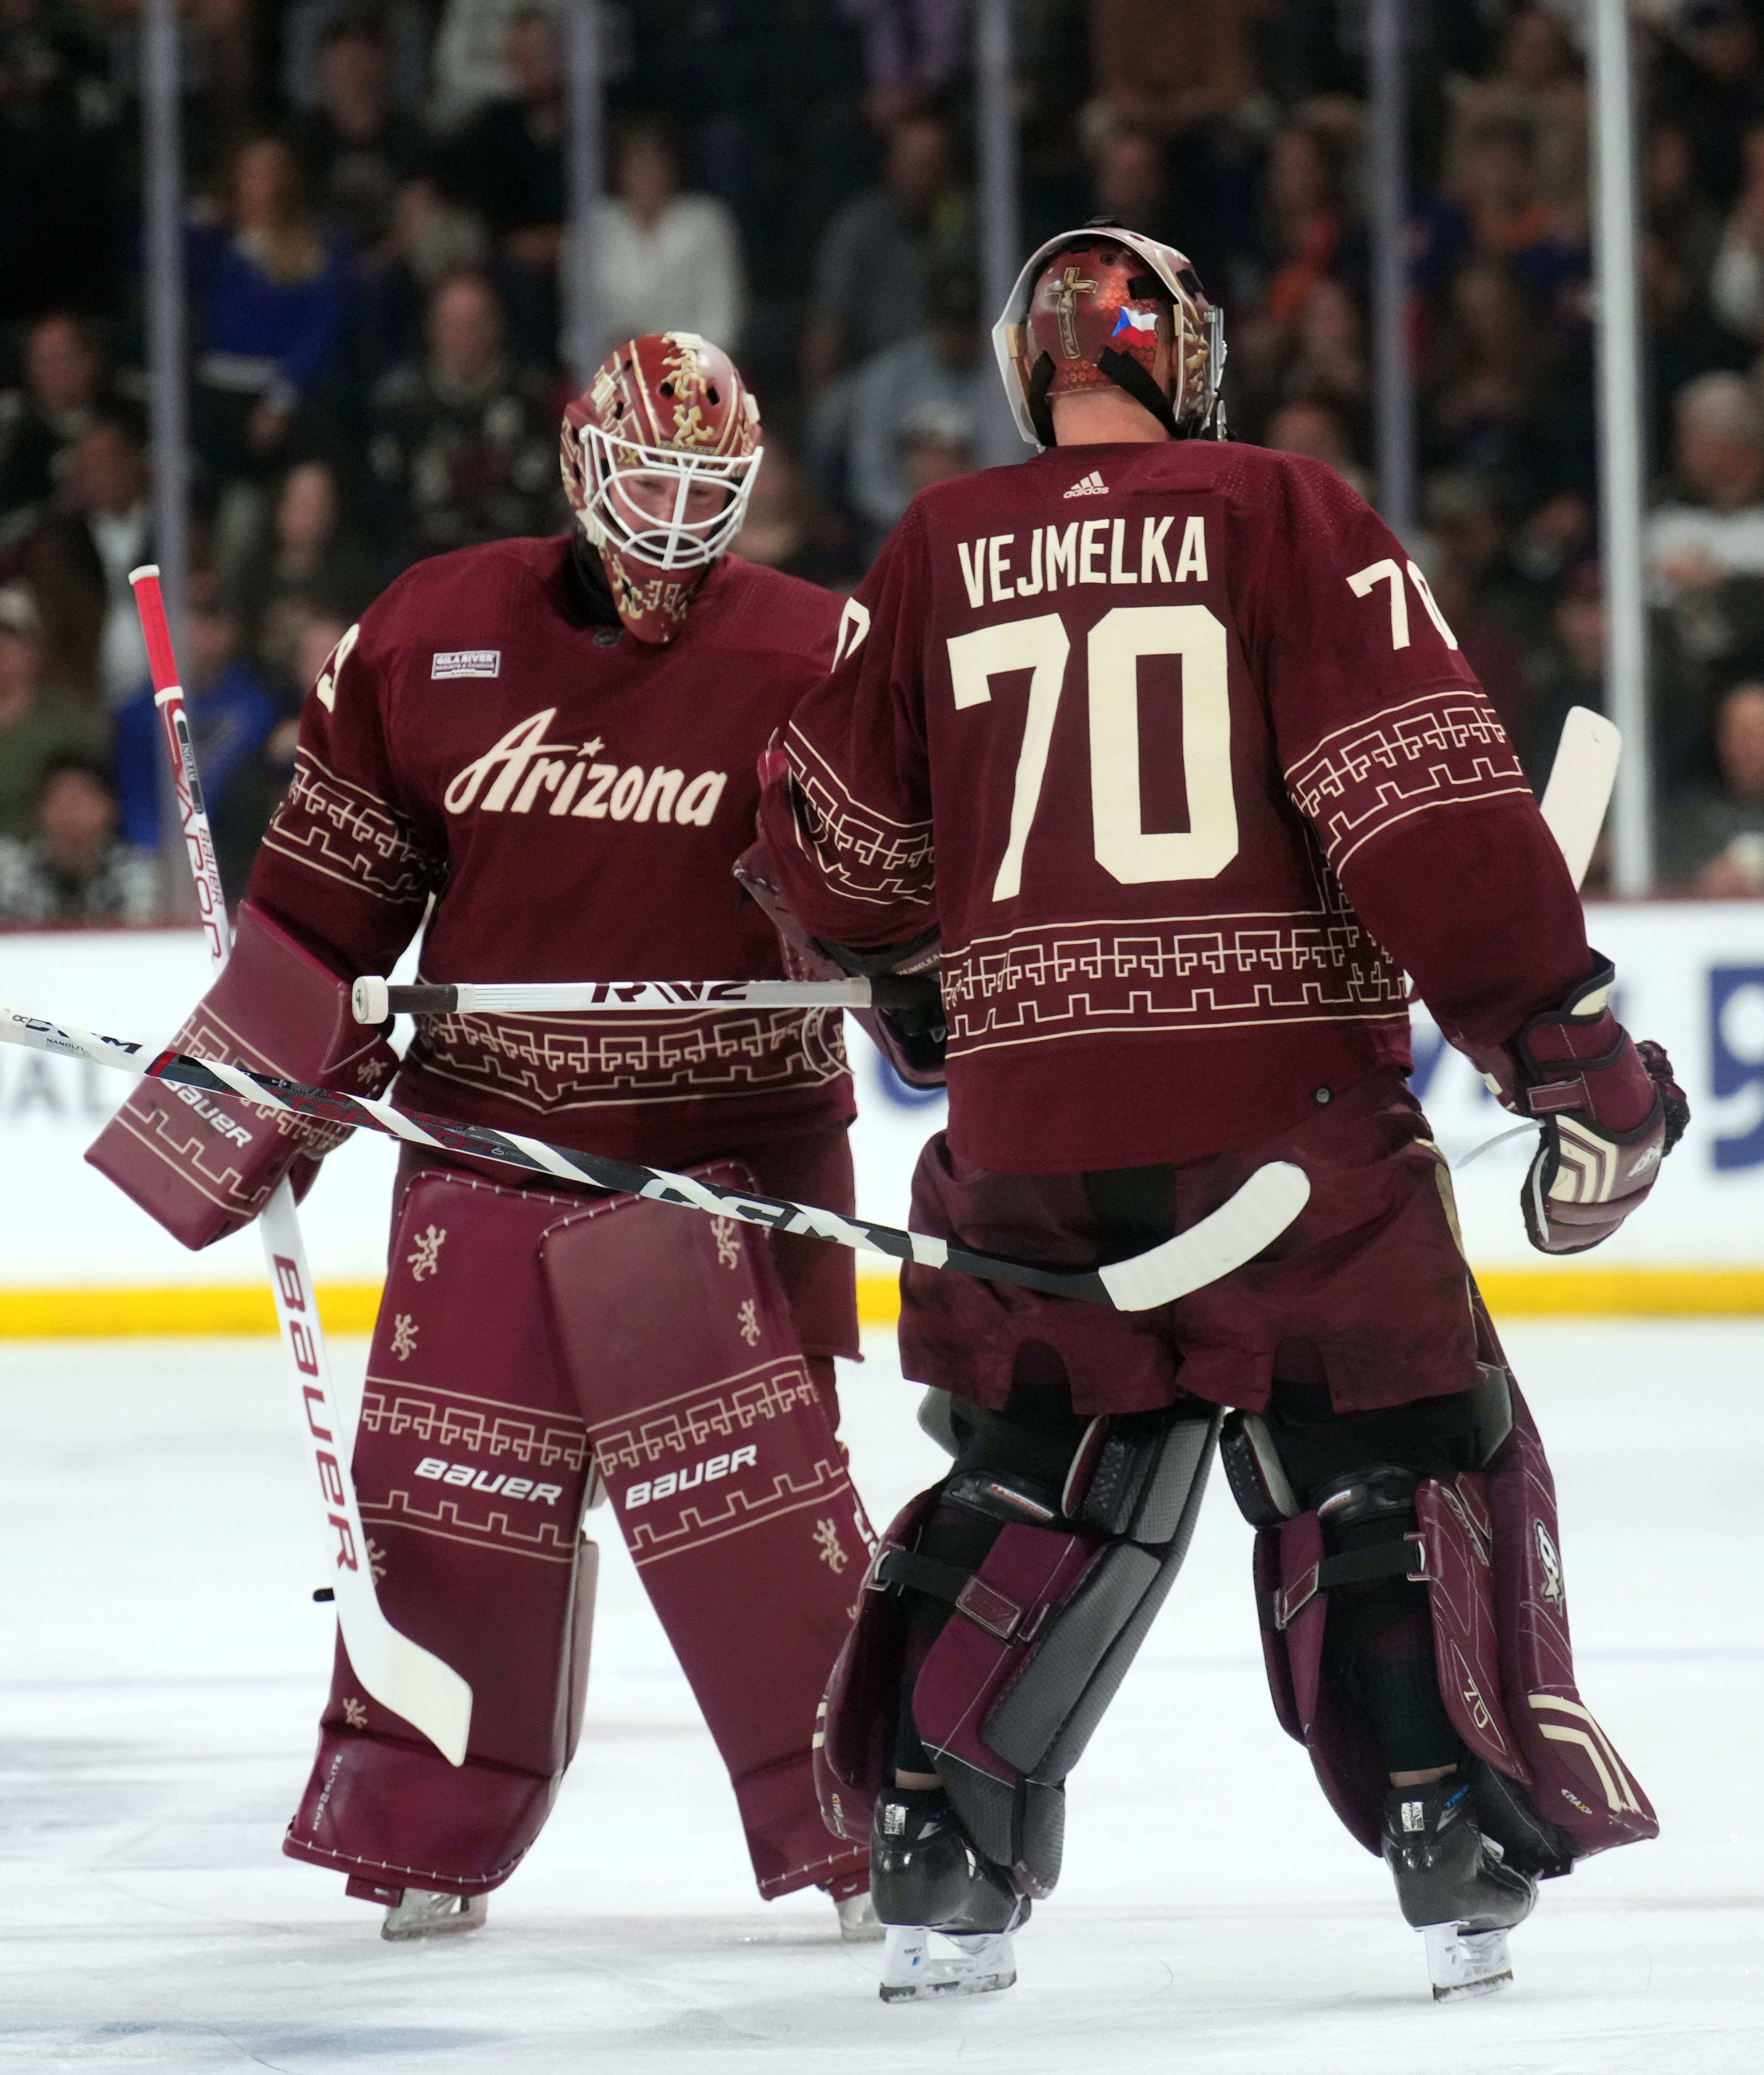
400, 1674
1237, 1230
1579, 791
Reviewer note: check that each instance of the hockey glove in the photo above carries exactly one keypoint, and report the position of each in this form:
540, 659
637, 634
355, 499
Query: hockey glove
204, 1166
1608, 1109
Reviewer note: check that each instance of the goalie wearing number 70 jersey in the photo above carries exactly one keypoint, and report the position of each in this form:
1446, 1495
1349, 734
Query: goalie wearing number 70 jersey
1169, 741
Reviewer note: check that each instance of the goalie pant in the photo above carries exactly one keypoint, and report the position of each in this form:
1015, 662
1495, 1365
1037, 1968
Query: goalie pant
526, 1339
1356, 1341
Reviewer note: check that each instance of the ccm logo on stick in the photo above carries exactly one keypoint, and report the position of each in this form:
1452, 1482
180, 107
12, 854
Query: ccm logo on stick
674, 1481
444, 1473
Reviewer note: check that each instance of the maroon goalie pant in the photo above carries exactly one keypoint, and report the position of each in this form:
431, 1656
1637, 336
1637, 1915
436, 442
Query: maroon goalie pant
526, 1341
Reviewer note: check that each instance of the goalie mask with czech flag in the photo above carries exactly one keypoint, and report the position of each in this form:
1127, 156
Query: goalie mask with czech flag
1106, 304
658, 457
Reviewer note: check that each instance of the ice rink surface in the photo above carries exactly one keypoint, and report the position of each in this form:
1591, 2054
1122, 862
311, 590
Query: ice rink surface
162, 1664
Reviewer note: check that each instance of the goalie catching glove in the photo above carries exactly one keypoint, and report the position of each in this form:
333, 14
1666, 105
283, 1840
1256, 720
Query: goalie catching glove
1608, 1111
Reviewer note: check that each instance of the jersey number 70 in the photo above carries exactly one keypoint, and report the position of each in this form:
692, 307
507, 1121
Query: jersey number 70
1125, 849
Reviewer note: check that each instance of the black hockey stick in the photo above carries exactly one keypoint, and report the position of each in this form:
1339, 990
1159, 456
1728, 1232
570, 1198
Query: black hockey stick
1237, 1230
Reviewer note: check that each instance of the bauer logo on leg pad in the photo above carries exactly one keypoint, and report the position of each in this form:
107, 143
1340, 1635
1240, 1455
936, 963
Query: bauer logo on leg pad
671, 1483
440, 1471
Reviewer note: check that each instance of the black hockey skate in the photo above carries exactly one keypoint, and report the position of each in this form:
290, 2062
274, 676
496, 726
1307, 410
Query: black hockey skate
929, 1882
1455, 1886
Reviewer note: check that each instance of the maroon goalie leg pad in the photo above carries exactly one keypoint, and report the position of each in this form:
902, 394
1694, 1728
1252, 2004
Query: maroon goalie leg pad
729, 1487
1486, 1547
471, 1463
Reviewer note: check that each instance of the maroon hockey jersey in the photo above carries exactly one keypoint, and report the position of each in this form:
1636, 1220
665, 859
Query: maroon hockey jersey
573, 800
1173, 743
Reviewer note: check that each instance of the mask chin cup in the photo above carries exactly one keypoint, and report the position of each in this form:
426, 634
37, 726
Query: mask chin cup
610, 516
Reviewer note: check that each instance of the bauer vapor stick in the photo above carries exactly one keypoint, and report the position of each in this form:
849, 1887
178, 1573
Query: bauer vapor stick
1224, 1240
411, 1681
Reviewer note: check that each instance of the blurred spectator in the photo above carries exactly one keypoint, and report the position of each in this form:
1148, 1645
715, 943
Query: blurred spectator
912, 50
937, 443
1171, 63
857, 436
429, 237
64, 384
401, 23
1717, 530
1536, 84
1495, 207
1302, 201
272, 291
1130, 180
1329, 363
1570, 672
1677, 208
1712, 841
1491, 363
77, 561
308, 561
470, 62
783, 528
56, 245
37, 721
232, 714
358, 147
74, 867
508, 163
1308, 425
880, 250
1682, 339
667, 261
1709, 85
1736, 279
465, 444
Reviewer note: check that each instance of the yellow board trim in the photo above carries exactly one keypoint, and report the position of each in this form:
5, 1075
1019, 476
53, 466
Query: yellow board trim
349, 1307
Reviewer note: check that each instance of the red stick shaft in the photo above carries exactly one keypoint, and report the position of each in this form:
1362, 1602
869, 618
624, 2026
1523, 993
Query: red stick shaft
150, 603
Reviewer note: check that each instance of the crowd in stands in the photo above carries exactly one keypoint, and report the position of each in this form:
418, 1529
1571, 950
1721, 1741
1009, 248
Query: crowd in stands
377, 255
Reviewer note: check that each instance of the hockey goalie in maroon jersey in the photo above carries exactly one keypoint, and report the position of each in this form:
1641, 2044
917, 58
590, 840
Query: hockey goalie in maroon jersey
1167, 741
548, 746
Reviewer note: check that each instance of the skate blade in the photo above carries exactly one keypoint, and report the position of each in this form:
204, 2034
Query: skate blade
1466, 1963
965, 1964
424, 1913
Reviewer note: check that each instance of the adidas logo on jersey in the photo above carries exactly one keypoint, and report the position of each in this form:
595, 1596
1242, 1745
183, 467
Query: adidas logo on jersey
1089, 485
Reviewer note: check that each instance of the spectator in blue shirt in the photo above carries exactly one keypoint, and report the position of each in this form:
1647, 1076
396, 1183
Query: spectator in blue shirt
273, 293
232, 716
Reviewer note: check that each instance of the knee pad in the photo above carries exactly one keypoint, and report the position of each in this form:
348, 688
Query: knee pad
1048, 1550
1454, 1499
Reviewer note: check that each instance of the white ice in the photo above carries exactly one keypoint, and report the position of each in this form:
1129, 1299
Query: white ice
164, 1663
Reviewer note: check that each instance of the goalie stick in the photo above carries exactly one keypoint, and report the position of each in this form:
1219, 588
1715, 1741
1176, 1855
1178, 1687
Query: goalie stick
1574, 806
404, 1677
1261, 1210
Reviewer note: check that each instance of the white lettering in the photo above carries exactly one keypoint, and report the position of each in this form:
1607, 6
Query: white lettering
460, 1474
1062, 554
698, 802
566, 792
625, 793
664, 1487
853, 620
999, 563
659, 794
1025, 589
717, 1467
432, 1466
749, 1456
327, 687
1116, 573
974, 572
517, 1487
546, 772
1090, 553
516, 749
547, 1493
637, 1494
594, 801
1151, 549
1192, 560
